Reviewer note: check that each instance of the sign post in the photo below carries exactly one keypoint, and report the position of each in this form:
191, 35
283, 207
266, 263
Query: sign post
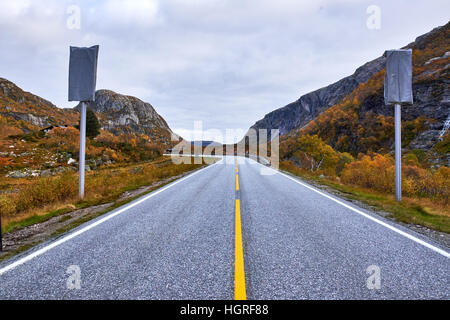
82, 81
1, 243
397, 91
398, 152
82, 150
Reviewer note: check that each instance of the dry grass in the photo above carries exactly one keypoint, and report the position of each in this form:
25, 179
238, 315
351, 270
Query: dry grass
429, 211
32, 198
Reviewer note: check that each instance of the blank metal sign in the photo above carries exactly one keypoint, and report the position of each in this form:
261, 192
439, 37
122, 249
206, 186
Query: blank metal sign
82, 73
398, 78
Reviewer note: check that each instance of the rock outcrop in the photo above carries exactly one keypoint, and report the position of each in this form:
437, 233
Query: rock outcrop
120, 114
19, 105
299, 113
431, 93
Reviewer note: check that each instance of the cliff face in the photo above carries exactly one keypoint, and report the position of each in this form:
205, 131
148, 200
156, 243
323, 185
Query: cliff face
124, 114
307, 107
361, 123
431, 62
120, 110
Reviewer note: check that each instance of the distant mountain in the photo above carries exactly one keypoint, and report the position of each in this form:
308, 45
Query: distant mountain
126, 114
205, 143
350, 115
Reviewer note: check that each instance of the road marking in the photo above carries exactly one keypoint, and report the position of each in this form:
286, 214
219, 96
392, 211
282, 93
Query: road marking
384, 224
239, 273
94, 224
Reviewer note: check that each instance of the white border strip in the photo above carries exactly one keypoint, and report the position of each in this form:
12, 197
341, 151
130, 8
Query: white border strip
94, 224
384, 224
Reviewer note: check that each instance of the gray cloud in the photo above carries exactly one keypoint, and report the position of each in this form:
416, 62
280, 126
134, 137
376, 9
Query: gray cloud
227, 63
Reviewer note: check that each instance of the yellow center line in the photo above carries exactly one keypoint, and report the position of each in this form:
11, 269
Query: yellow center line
239, 273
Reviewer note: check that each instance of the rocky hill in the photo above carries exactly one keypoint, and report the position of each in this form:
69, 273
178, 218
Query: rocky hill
350, 115
24, 112
431, 97
307, 107
126, 114
132, 131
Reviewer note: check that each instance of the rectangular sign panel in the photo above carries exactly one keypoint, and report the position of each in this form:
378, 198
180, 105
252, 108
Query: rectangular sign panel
398, 78
83, 73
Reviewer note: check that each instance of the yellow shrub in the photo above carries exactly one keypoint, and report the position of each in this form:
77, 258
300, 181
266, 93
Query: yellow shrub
376, 173
46, 190
7, 205
63, 139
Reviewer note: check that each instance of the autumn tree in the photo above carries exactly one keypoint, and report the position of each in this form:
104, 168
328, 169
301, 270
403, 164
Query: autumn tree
314, 154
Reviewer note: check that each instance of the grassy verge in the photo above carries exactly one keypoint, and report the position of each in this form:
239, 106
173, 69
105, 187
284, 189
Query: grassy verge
419, 211
35, 219
116, 203
37, 200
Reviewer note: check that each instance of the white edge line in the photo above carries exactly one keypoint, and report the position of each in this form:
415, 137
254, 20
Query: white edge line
93, 225
384, 224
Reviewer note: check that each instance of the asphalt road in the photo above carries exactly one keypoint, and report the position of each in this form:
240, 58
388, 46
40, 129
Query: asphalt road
180, 243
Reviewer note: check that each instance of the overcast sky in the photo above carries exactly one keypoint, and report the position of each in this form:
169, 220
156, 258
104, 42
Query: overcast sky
226, 63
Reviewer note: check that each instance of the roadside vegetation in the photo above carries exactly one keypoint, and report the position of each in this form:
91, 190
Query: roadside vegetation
31, 200
39, 170
349, 146
41, 150
370, 179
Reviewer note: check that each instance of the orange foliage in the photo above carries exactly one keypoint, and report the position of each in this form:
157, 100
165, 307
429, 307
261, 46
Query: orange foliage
4, 161
107, 138
93, 151
63, 139
378, 172
7, 130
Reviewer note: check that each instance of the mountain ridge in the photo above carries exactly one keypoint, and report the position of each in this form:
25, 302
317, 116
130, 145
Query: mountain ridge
38, 138
25, 112
20, 105
308, 107
362, 124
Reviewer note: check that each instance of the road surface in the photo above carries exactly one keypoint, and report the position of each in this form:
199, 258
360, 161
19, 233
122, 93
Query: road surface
228, 232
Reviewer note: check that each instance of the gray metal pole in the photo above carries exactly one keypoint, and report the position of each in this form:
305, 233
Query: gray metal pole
1, 243
398, 152
82, 150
